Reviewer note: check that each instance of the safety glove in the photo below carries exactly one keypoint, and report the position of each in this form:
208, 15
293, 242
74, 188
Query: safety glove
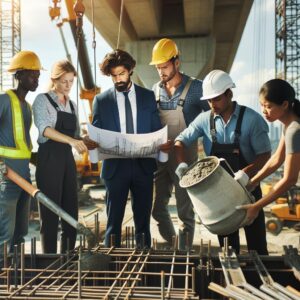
241, 177
181, 169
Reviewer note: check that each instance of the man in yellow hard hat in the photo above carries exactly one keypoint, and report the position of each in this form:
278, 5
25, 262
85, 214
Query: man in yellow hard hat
15, 147
178, 98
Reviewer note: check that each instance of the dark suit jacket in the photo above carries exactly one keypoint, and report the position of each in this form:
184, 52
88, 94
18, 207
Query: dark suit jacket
106, 116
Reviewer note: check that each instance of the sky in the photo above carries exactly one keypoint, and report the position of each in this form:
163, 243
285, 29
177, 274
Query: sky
253, 65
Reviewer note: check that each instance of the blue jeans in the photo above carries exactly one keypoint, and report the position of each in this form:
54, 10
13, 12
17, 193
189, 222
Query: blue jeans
14, 214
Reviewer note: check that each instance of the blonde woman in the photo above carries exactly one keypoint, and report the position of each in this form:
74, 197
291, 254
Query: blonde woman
55, 116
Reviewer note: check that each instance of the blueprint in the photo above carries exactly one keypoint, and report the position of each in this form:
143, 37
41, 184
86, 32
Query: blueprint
121, 145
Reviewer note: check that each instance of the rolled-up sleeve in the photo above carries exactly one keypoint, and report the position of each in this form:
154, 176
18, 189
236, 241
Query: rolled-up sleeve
41, 115
191, 133
259, 136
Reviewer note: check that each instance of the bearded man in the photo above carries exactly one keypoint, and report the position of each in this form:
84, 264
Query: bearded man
126, 108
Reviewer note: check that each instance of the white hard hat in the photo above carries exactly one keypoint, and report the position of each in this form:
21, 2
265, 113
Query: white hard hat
215, 84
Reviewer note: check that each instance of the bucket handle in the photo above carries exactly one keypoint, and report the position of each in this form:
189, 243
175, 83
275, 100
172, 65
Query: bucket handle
250, 196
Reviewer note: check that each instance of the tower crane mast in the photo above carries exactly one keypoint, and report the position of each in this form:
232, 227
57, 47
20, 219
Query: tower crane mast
10, 37
287, 45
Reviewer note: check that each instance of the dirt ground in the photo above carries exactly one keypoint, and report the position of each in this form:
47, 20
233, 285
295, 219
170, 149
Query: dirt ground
93, 202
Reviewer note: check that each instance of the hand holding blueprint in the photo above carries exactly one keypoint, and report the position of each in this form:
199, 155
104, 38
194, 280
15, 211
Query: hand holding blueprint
120, 145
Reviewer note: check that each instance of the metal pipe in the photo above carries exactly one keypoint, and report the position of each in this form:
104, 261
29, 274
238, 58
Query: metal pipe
16, 266
22, 263
162, 284
272, 292
112, 240
5, 262
285, 291
246, 295
79, 269
193, 279
256, 291
126, 236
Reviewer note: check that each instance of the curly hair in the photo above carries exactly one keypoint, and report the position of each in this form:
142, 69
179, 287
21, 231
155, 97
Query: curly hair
116, 58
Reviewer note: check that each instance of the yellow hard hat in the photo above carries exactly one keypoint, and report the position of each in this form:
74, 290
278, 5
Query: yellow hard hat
163, 51
25, 60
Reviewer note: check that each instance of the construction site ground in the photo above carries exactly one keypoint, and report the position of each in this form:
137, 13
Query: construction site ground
92, 202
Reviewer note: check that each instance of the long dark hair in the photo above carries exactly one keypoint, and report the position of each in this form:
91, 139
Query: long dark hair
117, 58
277, 91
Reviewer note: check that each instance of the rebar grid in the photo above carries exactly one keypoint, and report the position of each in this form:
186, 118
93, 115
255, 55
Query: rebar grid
132, 274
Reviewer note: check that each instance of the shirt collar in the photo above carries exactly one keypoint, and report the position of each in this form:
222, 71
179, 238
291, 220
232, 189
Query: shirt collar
184, 80
235, 113
54, 96
179, 88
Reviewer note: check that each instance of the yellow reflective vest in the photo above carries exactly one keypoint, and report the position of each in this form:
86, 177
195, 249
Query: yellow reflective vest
21, 151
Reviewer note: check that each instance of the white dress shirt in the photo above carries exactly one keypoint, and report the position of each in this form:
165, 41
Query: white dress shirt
121, 107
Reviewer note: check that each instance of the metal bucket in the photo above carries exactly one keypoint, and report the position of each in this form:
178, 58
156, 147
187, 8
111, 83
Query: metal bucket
215, 194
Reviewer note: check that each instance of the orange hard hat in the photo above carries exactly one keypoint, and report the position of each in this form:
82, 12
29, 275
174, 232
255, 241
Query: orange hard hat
163, 51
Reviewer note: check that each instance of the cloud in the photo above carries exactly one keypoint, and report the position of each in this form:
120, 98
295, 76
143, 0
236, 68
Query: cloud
248, 85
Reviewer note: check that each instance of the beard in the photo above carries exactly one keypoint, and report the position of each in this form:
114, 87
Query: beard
165, 79
122, 86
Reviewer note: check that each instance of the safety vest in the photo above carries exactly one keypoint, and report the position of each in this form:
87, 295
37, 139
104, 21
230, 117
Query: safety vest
21, 151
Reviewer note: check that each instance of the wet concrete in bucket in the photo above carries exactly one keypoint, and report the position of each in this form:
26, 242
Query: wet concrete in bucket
198, 172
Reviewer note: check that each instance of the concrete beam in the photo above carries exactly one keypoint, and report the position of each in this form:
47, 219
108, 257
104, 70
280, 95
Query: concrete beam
107, 13
229, 21
219, 22
145, 16
198, 16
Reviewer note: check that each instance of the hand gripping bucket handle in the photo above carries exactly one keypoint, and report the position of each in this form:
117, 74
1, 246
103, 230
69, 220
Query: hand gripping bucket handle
251, 197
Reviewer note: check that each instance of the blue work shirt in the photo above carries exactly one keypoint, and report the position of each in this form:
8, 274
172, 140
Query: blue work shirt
192, 107
253, 140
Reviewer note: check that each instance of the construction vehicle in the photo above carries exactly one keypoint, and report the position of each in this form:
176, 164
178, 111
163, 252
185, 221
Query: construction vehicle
87, 173
286, 211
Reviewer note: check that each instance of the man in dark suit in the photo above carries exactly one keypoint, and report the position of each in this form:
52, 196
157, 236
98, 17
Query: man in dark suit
126, 108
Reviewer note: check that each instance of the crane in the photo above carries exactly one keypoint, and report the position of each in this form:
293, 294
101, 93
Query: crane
10, 35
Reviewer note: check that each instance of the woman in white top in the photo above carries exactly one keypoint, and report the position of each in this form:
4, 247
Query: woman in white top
278, 102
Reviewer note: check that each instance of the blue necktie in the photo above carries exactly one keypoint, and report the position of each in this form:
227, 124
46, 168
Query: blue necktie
128, 114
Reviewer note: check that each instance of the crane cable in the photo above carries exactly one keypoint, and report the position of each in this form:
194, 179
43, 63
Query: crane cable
120, 23
94, 46
79, 11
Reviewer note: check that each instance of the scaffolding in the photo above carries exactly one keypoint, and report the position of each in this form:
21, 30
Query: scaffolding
10, 36
287, 28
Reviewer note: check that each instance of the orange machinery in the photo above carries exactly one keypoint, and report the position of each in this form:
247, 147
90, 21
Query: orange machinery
87, 172
286, 211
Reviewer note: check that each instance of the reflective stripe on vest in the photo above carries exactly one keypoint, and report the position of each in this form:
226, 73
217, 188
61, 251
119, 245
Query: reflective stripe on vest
21, 151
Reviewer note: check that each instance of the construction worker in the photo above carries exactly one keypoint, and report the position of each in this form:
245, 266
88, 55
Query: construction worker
15, 147
178, 99
236, 133
56, 118
126, 108
278, 102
